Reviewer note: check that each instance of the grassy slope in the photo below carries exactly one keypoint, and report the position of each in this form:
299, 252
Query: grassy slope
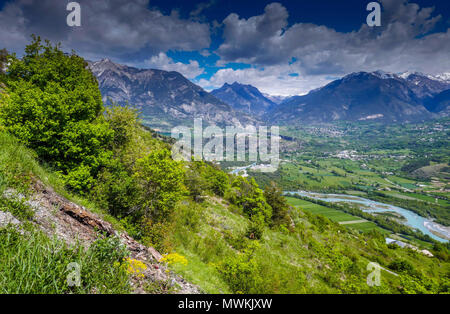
319, 257
30, 261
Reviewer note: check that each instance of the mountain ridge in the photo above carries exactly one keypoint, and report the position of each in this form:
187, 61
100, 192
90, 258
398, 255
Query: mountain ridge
246, 98
164, 98
379, 96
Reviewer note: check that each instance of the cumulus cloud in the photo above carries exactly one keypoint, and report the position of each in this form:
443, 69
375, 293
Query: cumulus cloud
113, 27
402, 43
279, 80
163, 62
285, 58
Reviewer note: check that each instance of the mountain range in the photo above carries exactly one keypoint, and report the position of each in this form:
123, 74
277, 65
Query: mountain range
167, 98
378, 96
164, 98
245, 98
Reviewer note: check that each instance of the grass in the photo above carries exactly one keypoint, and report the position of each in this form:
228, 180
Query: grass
32, 263
19, 166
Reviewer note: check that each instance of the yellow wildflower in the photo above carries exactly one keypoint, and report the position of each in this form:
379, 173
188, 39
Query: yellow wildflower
174, 258
135, 267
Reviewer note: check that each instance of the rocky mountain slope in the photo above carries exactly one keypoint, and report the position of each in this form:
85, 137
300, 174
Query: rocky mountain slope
362, 96
164, 98
57, 216
246, 98
440, 103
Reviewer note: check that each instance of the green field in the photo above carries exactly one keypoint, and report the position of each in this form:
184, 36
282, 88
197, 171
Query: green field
335, 215
332, 214
367, 226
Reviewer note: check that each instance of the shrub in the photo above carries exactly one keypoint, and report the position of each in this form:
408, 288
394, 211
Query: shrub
402, 265
280, 207
195, 182
117, 191
250, 198
156, 233
241, 272
174, 258
161, 179
255, 228
53, 105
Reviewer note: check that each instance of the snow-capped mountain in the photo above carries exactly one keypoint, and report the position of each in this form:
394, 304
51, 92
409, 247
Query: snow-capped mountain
378, 96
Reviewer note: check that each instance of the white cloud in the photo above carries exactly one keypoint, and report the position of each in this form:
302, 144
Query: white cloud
114, 28
402, 43
130, 32
273, 80
163, 62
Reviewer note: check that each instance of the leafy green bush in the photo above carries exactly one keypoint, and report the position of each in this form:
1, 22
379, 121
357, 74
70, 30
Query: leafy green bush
161, 179
202, 177
247, 195
241, 272
109, 249
117, 191
53, 105
255, 228
401, 265
17, 207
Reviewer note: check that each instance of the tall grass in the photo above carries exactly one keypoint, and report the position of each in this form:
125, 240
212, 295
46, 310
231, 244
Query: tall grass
32, 263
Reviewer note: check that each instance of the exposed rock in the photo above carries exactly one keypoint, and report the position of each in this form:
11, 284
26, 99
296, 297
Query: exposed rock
7, 219
70, 222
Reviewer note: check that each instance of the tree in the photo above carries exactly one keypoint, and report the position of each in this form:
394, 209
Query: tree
162, 181
195, 179
54, 106
280, 207
250, 198
3, 60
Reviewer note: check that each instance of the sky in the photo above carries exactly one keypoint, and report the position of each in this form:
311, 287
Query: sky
281, 47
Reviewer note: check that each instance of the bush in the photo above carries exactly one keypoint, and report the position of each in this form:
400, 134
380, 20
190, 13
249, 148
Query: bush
32, 263
195, 182
250, 198
53, 105
255, 228
161, 179
241, 272
280, 207
109, 249
204, 178
401, 265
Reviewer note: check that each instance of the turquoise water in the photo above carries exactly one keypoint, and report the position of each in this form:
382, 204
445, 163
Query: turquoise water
237, 170
412, 219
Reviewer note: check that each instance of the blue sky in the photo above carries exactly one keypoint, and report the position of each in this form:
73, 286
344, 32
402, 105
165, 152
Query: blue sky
281, 47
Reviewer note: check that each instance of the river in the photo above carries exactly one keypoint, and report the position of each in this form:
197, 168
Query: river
411, 219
